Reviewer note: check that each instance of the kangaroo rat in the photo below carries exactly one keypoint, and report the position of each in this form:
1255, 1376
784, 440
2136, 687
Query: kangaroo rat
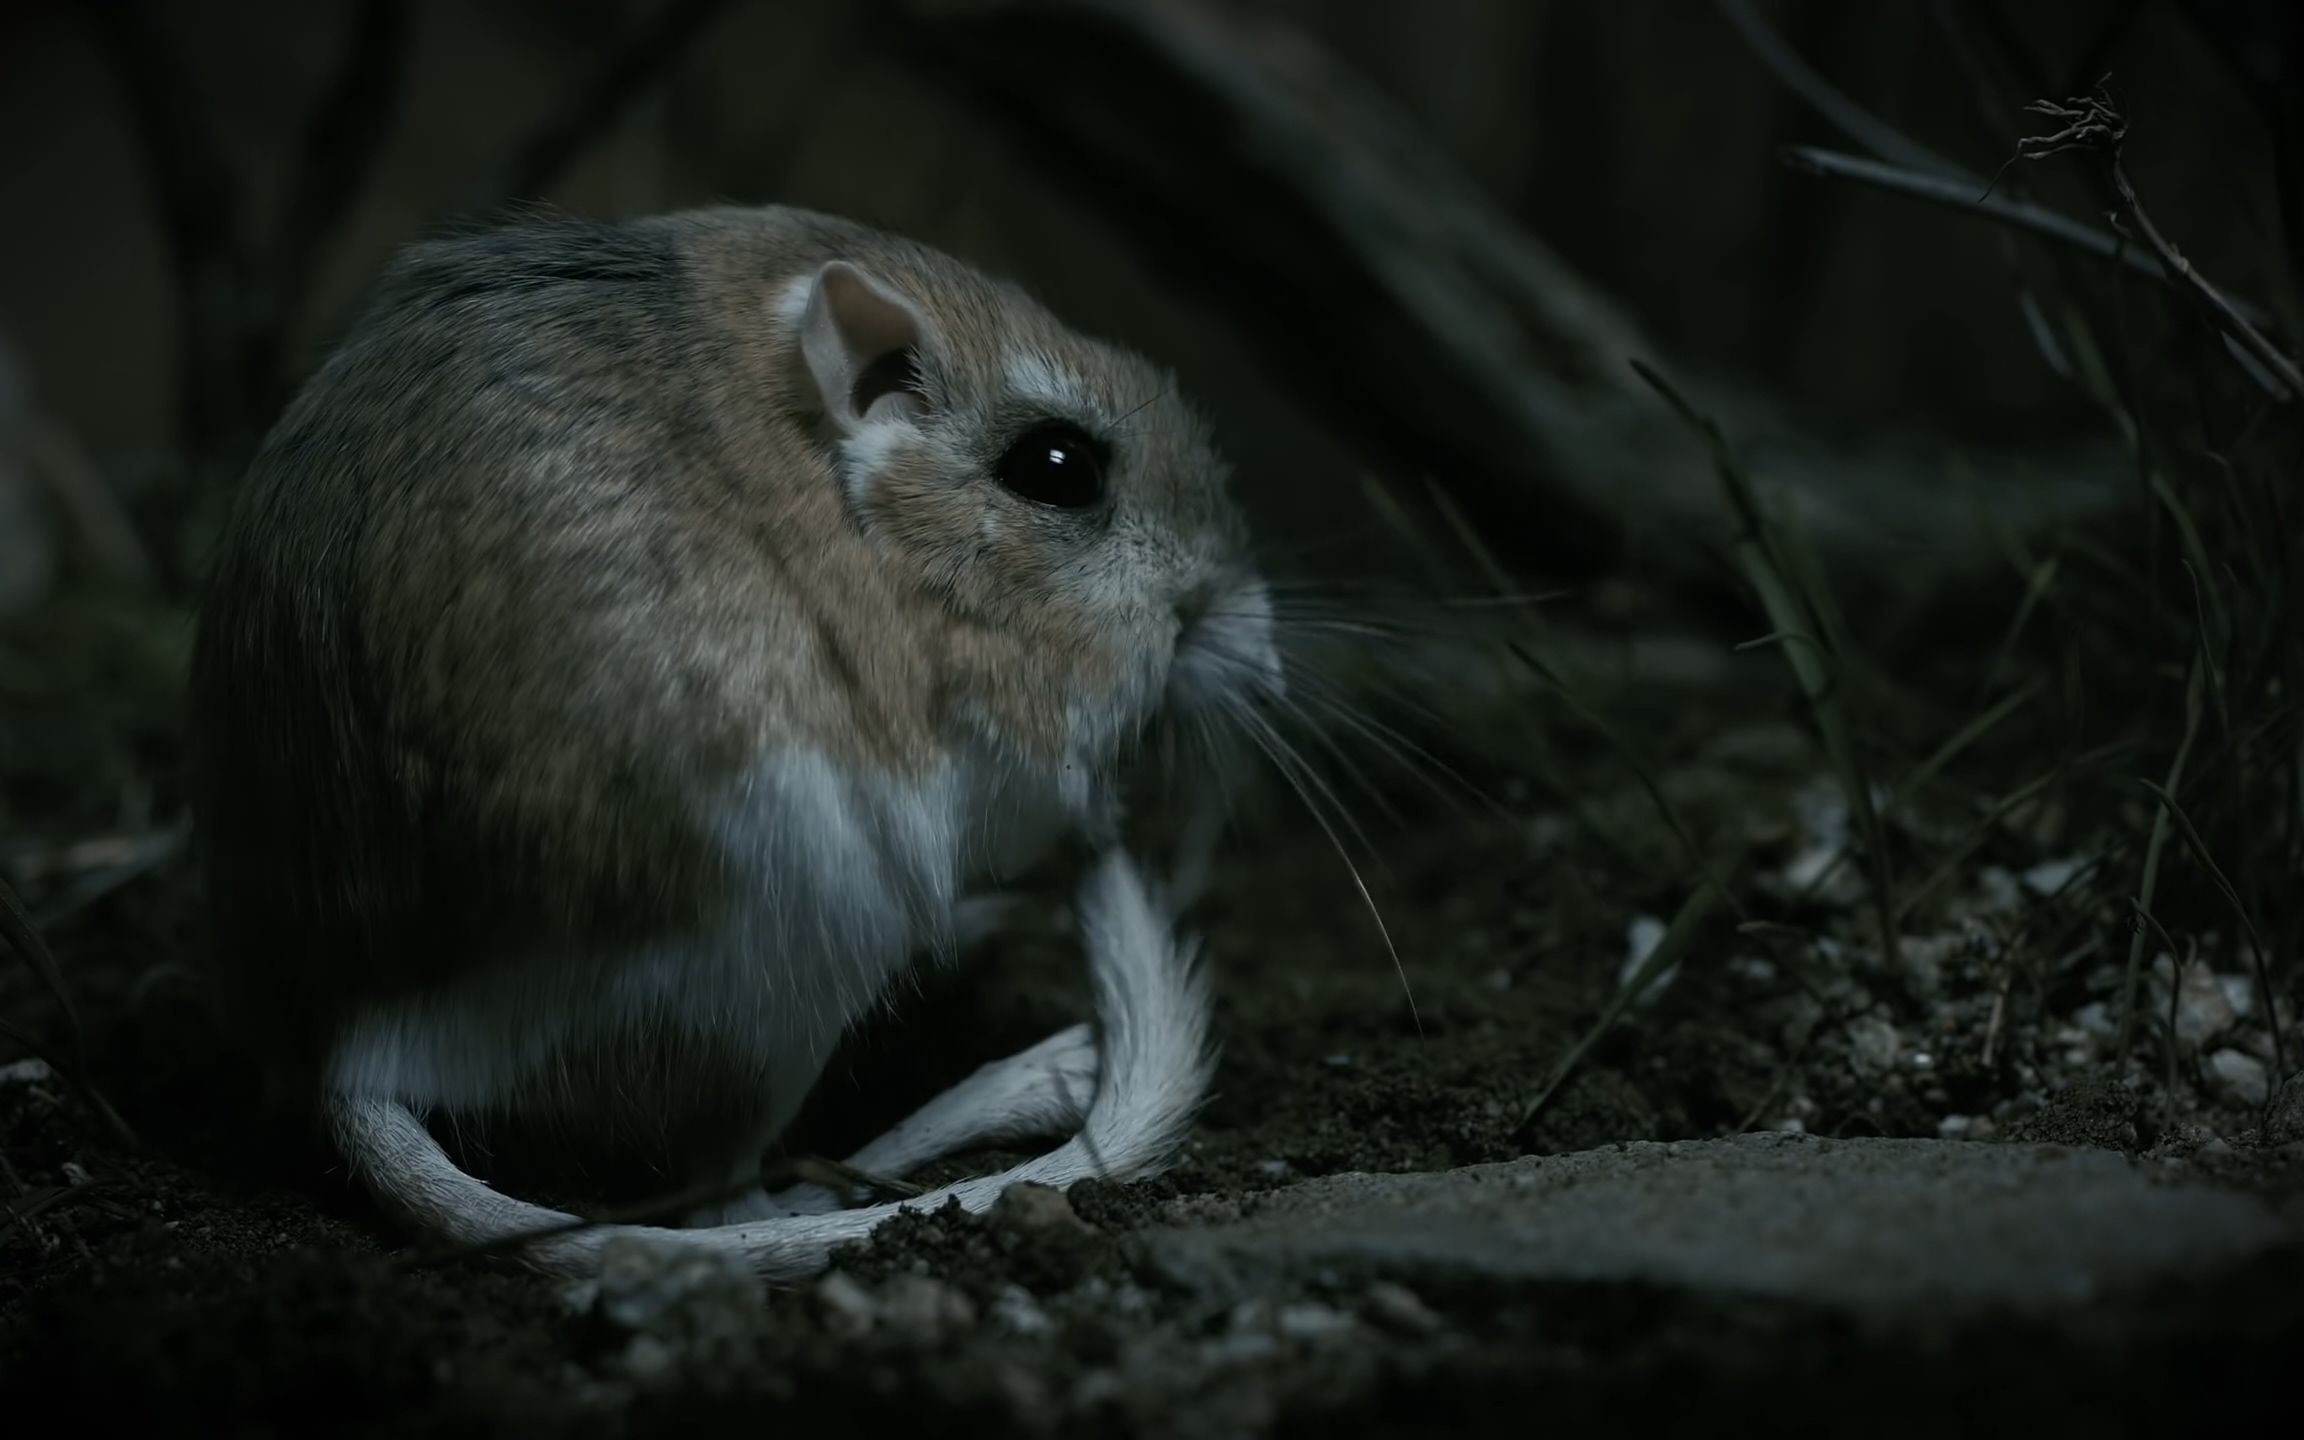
638, 643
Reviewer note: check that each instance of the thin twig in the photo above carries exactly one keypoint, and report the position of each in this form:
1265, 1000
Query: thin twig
1468, 339
1920, 171
834, 1175
1694, 914
2040, 220
2153, 849
2226, 310
1792, 595
2095, 126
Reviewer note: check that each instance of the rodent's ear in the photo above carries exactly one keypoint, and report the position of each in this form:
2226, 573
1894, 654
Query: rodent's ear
861, 342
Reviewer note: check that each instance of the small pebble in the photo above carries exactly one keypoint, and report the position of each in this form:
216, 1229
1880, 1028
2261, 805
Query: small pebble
1131, 1300
30, 1070
924, 1308
1307, 1321
1016, 1311
1399, 1308
2001, 890
848, 1306
1641, 937
2240, 1077
675, 1290
1924, 957
1030, 1207
1873, 1044
2239, 993
648, 1360
2050, 876
579, 1296
1241, 1347
2285, 1125
2203, 1010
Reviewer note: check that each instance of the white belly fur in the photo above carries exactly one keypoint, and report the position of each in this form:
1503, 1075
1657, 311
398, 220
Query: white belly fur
855, 876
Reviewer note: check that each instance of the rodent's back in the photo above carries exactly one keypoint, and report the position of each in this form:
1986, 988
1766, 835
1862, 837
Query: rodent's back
493, 613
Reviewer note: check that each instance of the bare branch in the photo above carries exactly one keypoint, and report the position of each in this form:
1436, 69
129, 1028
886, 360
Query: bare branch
1409, 306
2023, 214
2094, 126
1913, 169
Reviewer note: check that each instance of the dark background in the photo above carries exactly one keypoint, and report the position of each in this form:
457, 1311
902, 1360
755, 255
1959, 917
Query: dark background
1638, 140
1406, 254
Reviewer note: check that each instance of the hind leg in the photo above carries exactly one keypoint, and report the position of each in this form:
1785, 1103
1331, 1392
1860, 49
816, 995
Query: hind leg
1153, 1064
1034, 1094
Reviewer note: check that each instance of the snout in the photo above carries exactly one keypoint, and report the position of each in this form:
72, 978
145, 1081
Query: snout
1226, 651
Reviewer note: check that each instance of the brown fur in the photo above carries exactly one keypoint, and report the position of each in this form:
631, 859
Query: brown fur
554, 546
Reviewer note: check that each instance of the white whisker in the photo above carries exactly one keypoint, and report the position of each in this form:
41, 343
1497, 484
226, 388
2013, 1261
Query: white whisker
1285, 760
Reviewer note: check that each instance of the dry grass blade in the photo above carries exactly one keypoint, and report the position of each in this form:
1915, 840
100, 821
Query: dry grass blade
75, 1076
1623, 748
2095, 126
2179, 968
1793, 597
2199, 848
1924, 774
1998, 812
2153, 849
1960, 195
1694, 914
834, 1174
2037, 583
24, 937
27, 1207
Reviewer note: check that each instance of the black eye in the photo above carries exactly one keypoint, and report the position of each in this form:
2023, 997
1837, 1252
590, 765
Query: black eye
1054, 464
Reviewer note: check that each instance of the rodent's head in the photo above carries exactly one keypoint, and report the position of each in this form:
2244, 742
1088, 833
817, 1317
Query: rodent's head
1054, 493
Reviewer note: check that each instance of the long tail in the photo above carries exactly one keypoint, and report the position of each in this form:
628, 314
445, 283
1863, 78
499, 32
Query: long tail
1156, 1064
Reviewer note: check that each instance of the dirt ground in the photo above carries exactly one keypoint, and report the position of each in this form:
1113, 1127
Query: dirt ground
215, 1278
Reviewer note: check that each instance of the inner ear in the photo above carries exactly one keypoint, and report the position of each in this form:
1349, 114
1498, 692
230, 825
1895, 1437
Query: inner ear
894, 378
861, 341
